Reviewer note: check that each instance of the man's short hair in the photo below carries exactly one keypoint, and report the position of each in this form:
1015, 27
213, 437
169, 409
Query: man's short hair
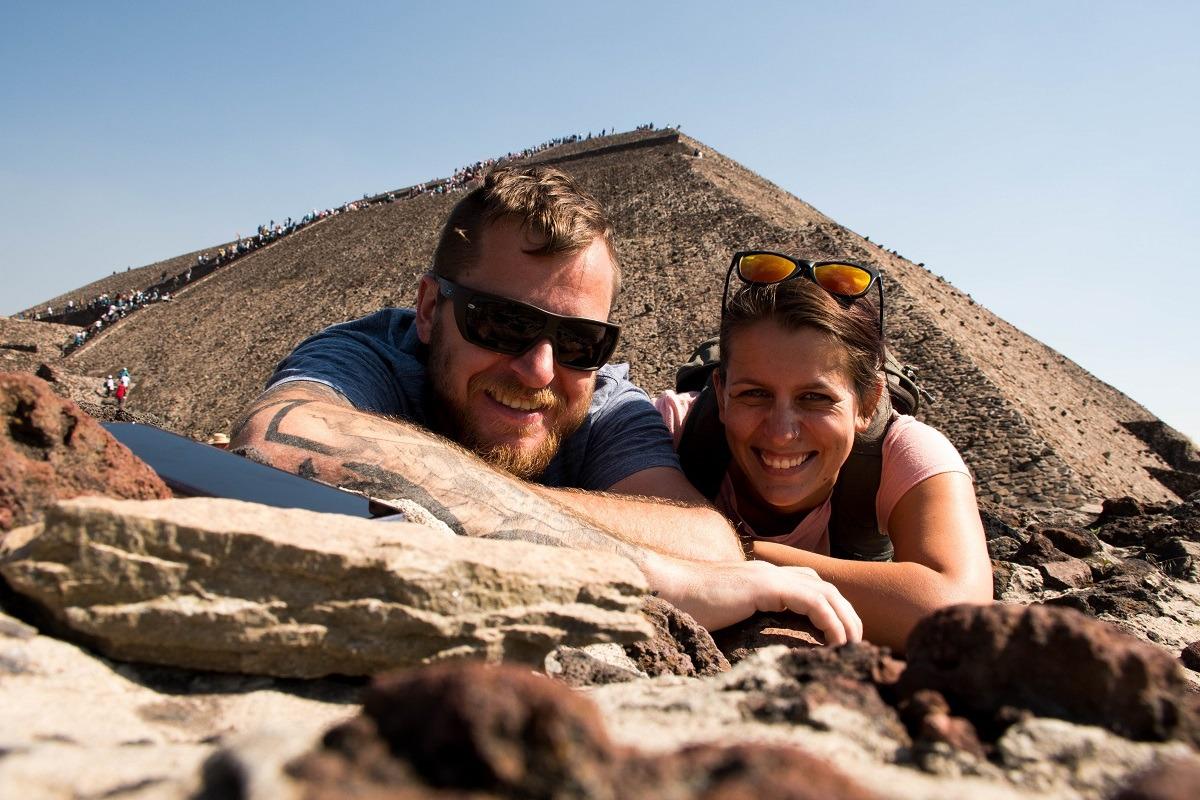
548, 204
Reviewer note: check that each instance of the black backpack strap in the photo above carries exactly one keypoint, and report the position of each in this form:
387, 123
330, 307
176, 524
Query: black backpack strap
853, 529
703, 452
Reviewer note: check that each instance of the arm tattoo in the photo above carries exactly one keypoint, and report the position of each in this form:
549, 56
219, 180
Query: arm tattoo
469, 496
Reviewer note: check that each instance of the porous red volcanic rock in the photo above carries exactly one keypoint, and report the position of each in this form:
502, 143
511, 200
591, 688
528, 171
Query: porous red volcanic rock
927, 716
680, 645
1053, 662
466, 730
493, 729
50, 450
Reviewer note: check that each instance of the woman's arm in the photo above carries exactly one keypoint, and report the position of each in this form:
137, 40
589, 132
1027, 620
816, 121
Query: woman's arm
941, 559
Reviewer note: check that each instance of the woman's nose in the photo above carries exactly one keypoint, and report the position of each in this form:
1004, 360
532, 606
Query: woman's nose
782, 425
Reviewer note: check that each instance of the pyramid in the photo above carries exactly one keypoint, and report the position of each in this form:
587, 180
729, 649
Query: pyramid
1034, 427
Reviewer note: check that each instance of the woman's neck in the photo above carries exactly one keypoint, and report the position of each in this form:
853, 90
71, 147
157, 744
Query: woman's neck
763, 518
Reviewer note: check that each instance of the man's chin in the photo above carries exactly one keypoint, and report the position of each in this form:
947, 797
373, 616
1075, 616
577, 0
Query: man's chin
524, 461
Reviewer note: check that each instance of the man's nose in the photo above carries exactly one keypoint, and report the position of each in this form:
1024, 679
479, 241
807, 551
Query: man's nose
535, 367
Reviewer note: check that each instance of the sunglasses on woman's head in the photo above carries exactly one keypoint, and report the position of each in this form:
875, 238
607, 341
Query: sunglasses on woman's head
845, 280
507, 326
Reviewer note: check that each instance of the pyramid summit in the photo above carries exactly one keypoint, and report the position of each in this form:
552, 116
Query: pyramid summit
1034, 427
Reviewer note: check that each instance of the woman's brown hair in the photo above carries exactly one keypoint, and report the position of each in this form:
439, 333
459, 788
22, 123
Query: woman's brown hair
800, 303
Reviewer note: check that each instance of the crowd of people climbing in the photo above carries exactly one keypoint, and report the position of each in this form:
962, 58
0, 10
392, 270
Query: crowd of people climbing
103, 310
117, 388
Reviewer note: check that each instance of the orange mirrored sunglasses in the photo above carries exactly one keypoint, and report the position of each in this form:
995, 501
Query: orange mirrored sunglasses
845, 280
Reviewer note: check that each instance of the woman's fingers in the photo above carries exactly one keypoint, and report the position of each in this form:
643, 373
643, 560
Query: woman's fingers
824, 605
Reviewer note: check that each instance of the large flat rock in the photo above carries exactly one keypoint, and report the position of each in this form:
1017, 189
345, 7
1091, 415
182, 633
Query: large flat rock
237, 587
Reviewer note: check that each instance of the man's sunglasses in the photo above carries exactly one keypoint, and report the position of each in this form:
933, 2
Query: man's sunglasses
505, 326
845, 280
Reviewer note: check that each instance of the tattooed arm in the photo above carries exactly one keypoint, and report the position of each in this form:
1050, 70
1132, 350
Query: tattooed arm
310, 429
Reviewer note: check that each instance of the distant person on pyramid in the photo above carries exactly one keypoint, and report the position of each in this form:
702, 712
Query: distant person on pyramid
122, 392
492, 403
801, 354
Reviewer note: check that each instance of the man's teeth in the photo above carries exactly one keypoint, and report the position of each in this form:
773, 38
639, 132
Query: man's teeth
515, 401
777, 462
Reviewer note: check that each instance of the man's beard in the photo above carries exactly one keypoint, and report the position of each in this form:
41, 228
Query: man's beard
453, 421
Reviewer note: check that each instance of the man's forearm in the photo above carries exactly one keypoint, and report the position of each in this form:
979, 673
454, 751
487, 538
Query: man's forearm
698, 533
319, 437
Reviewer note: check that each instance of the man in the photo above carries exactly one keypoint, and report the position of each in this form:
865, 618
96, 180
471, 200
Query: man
504, 355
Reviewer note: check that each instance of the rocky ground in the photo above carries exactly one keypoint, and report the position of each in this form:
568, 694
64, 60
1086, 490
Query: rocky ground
153, 647
166, 648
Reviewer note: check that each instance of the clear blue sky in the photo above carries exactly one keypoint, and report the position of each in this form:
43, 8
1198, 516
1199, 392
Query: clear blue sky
1040, 155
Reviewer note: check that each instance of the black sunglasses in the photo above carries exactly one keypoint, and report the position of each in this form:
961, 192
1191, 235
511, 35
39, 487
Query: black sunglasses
506, 326
845, 280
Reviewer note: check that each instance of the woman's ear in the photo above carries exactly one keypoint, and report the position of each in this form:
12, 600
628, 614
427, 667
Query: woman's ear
870, 403
719, 391
427, 299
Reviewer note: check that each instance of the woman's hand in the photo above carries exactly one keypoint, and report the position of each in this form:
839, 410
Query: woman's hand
721, 594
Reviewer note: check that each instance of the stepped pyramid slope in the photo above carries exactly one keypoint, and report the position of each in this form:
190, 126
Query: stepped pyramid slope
1033, 426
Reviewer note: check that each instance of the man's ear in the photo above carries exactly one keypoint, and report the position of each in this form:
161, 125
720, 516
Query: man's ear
870, 403
719, 391
427, 301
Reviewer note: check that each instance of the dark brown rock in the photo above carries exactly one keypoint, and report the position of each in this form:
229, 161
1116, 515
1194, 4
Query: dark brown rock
1038, 550
578, 668
765, 630
739, 772
927, 716
1191, 656
50, 450
860, 677
1116, 507
1077, 542
1003, 548
1124, 589
1053, 662
1002, 572
1068, 574
1174, 555
495, 729
681, 646
1178, 779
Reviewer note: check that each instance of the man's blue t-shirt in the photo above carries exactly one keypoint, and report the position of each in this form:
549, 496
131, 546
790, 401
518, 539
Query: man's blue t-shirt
378, 364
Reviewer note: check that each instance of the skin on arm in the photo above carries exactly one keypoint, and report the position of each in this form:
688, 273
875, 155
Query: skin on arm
307, 428
660, 509
941, 559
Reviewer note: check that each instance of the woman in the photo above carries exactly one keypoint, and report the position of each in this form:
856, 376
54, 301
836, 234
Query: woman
801, 352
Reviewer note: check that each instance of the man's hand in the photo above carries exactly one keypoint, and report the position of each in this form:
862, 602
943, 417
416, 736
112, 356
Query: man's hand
718, 595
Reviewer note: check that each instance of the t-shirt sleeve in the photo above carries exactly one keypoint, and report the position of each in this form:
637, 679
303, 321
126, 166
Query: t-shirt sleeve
626, 437
359, 360
674, 408
912, 452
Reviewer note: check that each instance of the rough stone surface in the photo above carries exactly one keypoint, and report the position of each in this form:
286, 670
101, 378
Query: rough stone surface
765, 630
680, 646
50, 450
594, 665
75, 725
500, 732
1070, 573
237, 587
1175, 780
982, 658
1077, 542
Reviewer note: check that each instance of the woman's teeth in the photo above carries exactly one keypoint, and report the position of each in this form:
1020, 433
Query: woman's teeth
784, 462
